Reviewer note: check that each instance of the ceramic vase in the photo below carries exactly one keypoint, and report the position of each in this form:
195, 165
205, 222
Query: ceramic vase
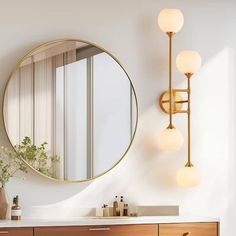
3, 204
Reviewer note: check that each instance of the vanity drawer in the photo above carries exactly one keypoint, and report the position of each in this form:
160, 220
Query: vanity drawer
16, 231
122, 230
195, 229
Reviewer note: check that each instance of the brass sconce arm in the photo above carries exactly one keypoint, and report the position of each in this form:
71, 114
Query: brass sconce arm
189, 164
170, 35
175, 103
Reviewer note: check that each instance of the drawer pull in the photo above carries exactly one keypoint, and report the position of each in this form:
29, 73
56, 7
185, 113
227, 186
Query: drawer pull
99, 229
3, 232
187, 233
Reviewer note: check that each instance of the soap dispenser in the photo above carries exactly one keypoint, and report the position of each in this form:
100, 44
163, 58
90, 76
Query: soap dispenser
115, 206
121, 206
16, 209
126, 209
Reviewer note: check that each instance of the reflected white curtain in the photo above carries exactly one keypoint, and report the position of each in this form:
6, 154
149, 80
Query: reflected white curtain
31, 105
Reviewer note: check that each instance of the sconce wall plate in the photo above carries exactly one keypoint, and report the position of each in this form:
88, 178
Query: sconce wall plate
177, 102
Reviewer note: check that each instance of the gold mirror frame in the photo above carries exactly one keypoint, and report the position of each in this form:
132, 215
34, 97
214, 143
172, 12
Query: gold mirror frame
132, 86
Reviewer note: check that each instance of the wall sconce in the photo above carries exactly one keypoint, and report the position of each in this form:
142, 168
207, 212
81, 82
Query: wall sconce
188, 62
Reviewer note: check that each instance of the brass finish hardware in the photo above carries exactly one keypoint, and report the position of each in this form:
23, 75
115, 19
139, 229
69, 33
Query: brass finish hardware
166, 101
180, 90
187, 233
176, 107
184, 101
189, 164
99, 229
188, 63
176, 102
189, 75
170, 34
182, 111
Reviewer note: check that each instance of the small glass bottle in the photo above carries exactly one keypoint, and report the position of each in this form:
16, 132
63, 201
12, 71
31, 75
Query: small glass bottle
16, 209
126, 207
121, 206
115, 206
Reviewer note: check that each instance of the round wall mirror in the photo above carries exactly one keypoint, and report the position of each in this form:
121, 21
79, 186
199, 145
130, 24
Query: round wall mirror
70, 110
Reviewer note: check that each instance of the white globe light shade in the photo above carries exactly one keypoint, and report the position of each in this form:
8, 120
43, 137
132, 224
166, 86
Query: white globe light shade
188, 177
170, 20
188, 62
170, 140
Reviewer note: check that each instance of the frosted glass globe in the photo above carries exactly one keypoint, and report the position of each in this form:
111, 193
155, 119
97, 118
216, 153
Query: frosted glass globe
170, 20
170, 140
188, 177
188, 62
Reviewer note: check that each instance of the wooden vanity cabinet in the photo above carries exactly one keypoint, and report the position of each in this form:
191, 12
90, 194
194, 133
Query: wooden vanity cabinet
16, 232
122, 230
194, 229
168, 229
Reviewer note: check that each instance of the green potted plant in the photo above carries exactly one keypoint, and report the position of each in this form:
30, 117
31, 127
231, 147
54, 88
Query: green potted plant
15, 161
10, 164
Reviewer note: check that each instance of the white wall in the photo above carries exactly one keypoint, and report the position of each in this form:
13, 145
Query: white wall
128, 29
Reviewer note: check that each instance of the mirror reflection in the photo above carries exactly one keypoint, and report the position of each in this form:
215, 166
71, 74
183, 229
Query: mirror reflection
75, 100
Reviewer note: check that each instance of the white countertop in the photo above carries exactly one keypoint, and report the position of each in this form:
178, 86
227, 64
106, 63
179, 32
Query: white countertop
89, 221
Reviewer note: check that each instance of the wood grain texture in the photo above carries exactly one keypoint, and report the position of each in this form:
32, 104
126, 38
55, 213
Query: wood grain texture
123, 230
16, 232
195, 229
